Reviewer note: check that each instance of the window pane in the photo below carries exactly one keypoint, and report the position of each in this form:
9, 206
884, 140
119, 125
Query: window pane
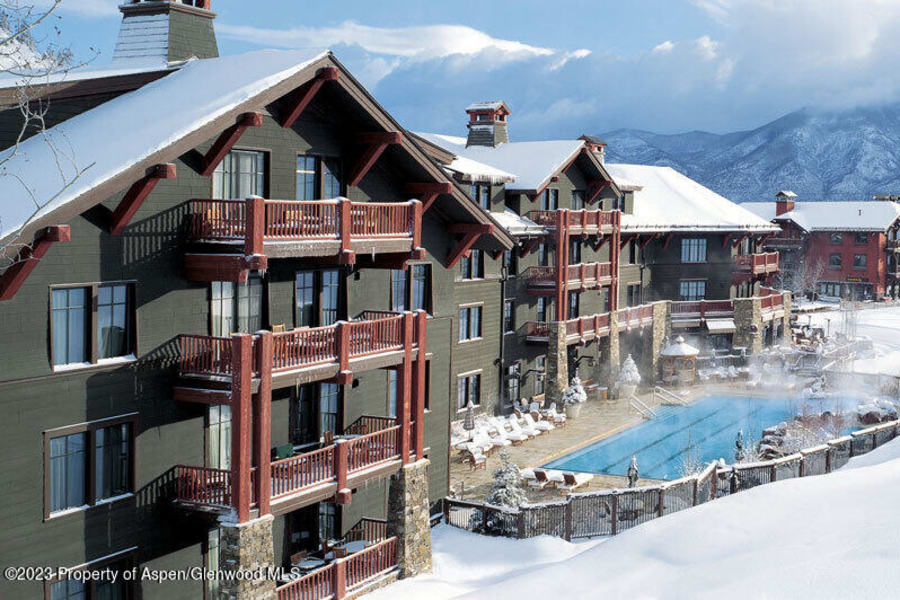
306, 178
67, 471
113, 458
398, 289
421, 278
476, 322
328, 407
392, 393
463, 324
332, 178
330, 297
305, 290
475, 389
112, 325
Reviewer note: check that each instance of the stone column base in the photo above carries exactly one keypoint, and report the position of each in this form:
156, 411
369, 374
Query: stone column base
247, 547
407, 518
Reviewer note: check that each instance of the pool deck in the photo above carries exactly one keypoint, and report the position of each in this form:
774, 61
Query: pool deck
598, 420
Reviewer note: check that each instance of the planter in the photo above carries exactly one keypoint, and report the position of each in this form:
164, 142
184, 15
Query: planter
573, 410
626, 390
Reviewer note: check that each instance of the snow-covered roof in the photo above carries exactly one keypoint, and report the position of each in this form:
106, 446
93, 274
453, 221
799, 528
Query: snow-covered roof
116, 69
679, 348
203, 90
785, 194
866, 215
516, 224
670, 201
532, 163
472, 170
488, 105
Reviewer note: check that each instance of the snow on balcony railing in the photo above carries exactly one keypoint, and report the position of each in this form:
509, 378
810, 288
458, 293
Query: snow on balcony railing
577, 219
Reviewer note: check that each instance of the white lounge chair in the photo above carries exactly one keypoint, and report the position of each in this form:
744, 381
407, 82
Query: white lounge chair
526, 430
527, 474
558, 418
513, 436
545, 477
538, 425
572, 481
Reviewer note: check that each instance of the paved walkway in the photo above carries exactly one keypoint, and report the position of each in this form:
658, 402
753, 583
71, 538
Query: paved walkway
598, 420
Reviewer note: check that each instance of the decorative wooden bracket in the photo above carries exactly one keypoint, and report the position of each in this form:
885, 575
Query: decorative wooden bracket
594, 189
471, 232
304, 95
625, 239
496, 253
530, 246
427, 193
13, 278
649, 239
227, 141
668, 239
136, 195
738, 241
726, 240
375, 144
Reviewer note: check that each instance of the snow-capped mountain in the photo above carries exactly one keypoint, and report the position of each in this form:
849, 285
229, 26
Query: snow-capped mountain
821, 155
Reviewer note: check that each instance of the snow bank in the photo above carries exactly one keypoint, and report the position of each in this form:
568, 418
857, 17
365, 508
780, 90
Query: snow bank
816, 537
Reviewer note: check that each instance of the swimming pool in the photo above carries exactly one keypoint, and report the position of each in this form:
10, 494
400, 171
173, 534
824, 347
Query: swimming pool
705, 430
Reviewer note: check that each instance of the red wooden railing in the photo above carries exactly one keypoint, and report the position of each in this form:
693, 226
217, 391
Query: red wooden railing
205, 355
371, 530
318, 585
203, 485
584, 219
293, 474
703, 308
225, 220
372, 337
758, 263
537, 329
304, 347
579, 274
373, 448
369, 424
581, 326
370, 563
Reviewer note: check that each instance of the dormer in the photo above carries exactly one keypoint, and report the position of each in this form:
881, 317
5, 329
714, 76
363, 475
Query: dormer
164, 31
487, 124
784, 202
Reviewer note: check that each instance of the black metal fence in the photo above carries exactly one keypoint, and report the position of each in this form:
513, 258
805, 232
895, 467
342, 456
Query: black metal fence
608, 512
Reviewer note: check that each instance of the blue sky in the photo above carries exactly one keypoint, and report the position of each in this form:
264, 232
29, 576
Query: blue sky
568, 67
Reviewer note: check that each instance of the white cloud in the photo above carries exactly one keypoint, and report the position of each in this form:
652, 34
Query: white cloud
665, 48
706, 48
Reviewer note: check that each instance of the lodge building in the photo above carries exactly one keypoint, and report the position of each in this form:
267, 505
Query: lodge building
241, 326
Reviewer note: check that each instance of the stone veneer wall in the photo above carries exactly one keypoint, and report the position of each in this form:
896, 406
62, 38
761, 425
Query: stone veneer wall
407, 518
609, 364
557, 375
248, 547
653, 341
747, 314
786, 331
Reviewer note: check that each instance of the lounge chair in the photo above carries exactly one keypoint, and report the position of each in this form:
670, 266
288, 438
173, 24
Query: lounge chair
513, 436
497, 440
545, 477
558, 418
475, 460
527, 474
572, 481
526, 430
539, 425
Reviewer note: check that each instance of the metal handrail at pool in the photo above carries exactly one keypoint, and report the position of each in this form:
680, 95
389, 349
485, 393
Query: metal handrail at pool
609, 512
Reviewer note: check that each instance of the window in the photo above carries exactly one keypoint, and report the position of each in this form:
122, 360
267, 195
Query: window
472, 267
328, 407
834, 261
68, 473
113, 587
513, 392
540, 364
837, 238
331, 291
82, 335
88, 463
421, 287
70, 321
219, 437
633, 252
693, 289
575, 252
392, 393
399, 289
113, 460
861, 238
236, 307
550, 199
318, 178
213, 562
574, 304
542, 304
469, 323
693, 250
481, 194
327, 521
305, 298
577, 200
633, 294
509, 316
859, 261
304, 426
511, 262
604, 300
468, 389
241, 173
68, 589
544, 255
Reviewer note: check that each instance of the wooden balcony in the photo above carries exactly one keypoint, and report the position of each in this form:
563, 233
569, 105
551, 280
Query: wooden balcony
700, 310
584, 276
892, 245
330, 230
302, 355
581, 330
771, 304
757, 264
580, 222
302, 479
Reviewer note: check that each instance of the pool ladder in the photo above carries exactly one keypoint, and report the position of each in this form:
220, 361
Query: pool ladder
664, 396
646, 411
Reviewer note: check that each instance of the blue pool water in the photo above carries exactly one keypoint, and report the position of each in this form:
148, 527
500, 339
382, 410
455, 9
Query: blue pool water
706, 430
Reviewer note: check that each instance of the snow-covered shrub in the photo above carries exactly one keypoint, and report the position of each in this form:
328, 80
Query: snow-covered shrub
629, 375
506, 492
575, 393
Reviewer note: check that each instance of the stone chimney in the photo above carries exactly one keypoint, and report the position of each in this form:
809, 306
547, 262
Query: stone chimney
487, 124
595, 145
784, 202
162, 31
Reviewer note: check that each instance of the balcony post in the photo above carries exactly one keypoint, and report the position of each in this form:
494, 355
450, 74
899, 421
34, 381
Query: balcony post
256, 225
241, 366
614, 250
344, 215
562, 263
262, 423
404, 379
342, 340
340, 578
341, 469
420, 383
416, 224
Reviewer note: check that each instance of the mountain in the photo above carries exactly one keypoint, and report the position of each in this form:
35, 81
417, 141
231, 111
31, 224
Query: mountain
820, 155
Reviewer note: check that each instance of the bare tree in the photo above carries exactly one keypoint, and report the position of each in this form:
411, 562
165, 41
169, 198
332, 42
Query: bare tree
802, 279
32, 57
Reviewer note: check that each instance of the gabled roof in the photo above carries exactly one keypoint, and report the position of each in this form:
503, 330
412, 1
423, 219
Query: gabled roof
518, 225
786, 194
532, 163
488, 105
867, 215
116, 142
670, 201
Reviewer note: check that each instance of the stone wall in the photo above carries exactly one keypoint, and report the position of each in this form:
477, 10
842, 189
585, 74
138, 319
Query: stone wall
653, 341
609, 363
557, 375
247, 547
407, 518
748, 324
786, 331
